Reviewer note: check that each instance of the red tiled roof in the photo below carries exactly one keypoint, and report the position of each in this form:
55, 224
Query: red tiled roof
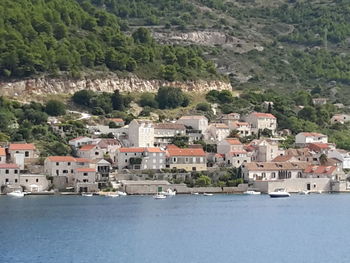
263, 115
153, 150
9, 166
87, 147
185, 152
86, 170
318, 146
21, 146
132, 150
116, 119
233, 141
67, 159
282, 158
2, 151
315, 169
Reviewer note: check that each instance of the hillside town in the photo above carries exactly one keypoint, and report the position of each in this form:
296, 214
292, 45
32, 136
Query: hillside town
142, 156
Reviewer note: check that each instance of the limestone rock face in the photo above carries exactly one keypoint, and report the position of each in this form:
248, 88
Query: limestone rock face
24, 89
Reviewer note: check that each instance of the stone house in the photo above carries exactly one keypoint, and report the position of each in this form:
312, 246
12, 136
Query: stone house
9, 175
34, 182
80, 141
20, 152
118, 121
141, 133
84, 180
165, 132
243, 128
273, 170
188, 159
265, 150
261, 121
340, 118
199, 123
141, 158
342, 155
234, 152
304, 138
230, 118
217, 132
320, 171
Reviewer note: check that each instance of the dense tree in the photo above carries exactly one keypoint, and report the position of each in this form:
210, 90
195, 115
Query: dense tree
55, 108
171, 97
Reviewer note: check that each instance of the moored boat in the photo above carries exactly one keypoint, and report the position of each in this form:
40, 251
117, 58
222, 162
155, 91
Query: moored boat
16, 193
279, 192
121, 193
159, 196
207, 194
304, 192
87, 194
112, 194
250, 192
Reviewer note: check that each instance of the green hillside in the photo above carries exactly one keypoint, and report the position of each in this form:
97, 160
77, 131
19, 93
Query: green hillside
41, 36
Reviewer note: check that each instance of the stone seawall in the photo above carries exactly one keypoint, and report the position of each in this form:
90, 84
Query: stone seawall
25, 89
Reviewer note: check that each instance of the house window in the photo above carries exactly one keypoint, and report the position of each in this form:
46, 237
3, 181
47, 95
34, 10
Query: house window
37, 180
6, 171
57, 164
96, 153
85, 180
273, 175
16, 180
186, 160
26, 154
6, 180
263, 175
26, 180
68, 164
85, 174
174, 159
16, 171
65, 171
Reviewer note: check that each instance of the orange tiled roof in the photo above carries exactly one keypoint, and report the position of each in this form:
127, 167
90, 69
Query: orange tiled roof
116, 119
9, 166
263, 115
67, 159
2, 151
233, 141
312, 134
21, 146
87, 147
140, 149
320, 169
185, 152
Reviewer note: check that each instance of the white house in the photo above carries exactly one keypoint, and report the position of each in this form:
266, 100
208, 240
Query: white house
165, 132
141, 133
34, 182
243, 128
9, 175
217, 132
261, 121
228, 119
141, 158
80, 141
234, 152
196, 122
304, 138
340, 118
341, 155
22, 151
2, 155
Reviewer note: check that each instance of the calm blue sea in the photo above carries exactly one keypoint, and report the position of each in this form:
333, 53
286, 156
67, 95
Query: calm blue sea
220, 228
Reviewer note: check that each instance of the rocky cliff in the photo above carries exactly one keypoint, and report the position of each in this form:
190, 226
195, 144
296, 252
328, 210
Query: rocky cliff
25, 89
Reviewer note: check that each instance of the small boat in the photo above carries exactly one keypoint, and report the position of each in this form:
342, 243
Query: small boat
304, 192
122, 193
169, 192
113, 194
16, 193
279, 192
87, 194
159, 196
252, 193
195, 193
207, 194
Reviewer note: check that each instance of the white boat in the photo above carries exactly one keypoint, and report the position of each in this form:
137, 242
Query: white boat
195, 193
113, 194
207, 194
159, 196
121, 193
169, 192
251, 192
304, 192
87, 194
16, 193
279, 192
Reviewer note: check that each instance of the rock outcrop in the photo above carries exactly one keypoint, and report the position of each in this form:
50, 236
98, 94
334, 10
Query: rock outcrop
26, 89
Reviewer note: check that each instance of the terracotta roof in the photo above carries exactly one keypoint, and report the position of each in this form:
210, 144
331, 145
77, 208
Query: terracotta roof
312, 134
185, 152
61, 158
233, 141
132, 150
315, 169
9, 166
86, 170
21, 146
192, 117
170, 126
283, 158
240, 123
275, 166
87, 147
2, 151
263, 115
67, 159
116, 119
153, 150
220, 155
105, 142
318, 146
220, 125
299, 152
